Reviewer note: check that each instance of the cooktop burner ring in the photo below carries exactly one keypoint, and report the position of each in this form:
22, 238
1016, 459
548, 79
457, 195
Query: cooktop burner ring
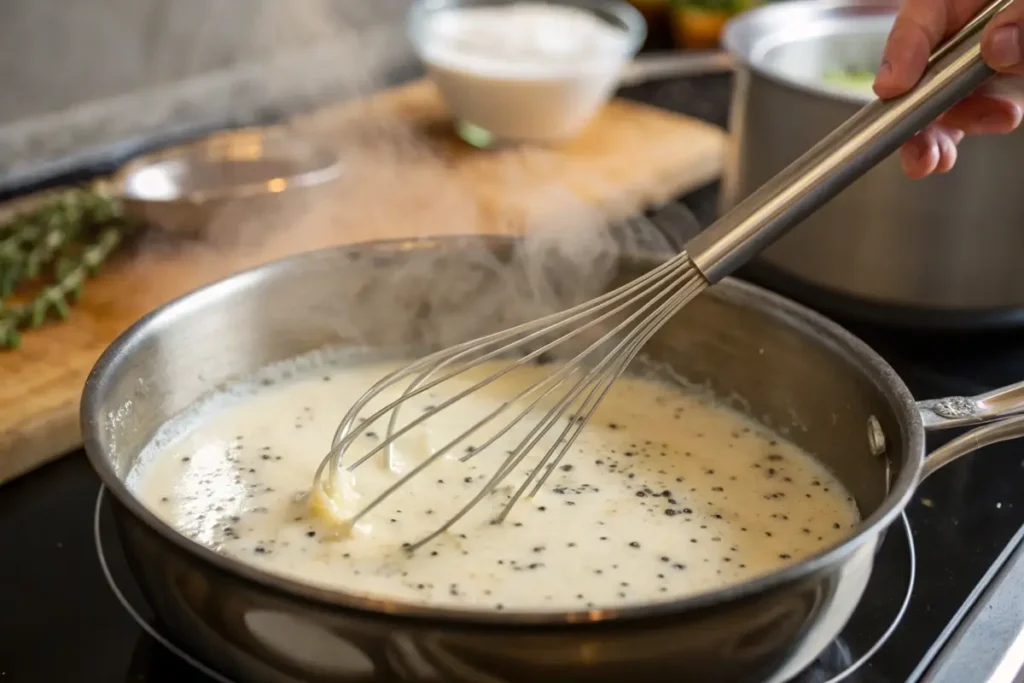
822, 671
134, 613
825, 668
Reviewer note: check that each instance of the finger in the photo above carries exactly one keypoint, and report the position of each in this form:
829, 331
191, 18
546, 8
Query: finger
948, 139
981, 114
919, 27
1007, 87
1001, 41
920, 155
930, 151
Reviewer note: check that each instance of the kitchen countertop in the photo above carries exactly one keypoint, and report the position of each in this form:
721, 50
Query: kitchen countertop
704, 98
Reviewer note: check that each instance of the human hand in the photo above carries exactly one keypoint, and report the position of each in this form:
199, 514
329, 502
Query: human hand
994, 109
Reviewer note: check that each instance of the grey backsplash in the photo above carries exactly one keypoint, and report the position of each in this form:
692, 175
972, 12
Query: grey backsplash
82, 78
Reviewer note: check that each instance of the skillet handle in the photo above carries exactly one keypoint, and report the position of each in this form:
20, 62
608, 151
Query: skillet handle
1003, 408
995, 432
959, 411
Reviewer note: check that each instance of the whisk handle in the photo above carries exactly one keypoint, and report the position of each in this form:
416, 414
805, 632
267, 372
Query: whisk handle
864, 140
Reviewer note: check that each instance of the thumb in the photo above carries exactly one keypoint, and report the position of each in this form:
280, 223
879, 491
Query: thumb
1001, 42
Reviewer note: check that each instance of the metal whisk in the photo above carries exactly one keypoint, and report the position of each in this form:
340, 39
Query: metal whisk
626, 318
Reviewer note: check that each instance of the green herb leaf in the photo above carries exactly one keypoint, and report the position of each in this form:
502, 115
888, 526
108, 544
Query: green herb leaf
72, 235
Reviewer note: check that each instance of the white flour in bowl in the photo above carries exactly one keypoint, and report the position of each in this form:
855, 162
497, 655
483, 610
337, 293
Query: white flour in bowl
523, 71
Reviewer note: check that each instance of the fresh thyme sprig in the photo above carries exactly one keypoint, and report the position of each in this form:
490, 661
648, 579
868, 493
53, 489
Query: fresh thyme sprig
72, 234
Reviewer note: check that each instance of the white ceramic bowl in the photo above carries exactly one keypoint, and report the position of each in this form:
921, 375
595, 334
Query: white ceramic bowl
496, 98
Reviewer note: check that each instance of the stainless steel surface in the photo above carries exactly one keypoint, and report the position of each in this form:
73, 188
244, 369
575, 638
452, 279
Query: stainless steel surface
868, 137
943, 251
996, 432
988, 645
793, 368
129, 605
653, 67
957, 411
972, 27
183, 187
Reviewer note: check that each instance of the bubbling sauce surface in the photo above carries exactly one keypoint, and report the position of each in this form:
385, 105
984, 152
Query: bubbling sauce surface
664, 494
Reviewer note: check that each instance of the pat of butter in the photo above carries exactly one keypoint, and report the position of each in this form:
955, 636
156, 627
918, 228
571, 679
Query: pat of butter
336, 504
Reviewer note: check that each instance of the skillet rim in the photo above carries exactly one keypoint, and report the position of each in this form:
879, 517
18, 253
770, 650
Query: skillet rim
840, 340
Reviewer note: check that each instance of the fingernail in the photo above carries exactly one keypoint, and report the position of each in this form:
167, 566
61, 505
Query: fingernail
1004, 47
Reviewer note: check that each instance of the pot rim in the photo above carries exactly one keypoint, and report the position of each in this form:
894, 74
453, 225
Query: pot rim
842, 341
745, 51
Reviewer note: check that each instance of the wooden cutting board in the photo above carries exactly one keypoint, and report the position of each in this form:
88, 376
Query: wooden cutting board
405, 175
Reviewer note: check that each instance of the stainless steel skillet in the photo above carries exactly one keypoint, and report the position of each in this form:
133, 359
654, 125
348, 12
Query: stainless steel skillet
793, 369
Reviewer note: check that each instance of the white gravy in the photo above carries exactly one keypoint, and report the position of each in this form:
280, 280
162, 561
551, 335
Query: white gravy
664, 494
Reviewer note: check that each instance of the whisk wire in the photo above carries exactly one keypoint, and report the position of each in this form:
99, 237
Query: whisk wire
530, 440
441, 452
516, 457
344, 437
645, 304
623, 354
590, 404
546, 326
683, 298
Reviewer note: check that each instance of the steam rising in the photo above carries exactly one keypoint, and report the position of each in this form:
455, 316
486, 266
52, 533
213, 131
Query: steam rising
397, 185
405, 178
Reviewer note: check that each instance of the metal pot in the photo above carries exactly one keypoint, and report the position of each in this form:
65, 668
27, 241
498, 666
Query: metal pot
940, 252
794, 369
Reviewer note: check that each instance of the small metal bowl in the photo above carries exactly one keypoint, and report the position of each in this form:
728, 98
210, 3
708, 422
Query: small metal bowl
183, 188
